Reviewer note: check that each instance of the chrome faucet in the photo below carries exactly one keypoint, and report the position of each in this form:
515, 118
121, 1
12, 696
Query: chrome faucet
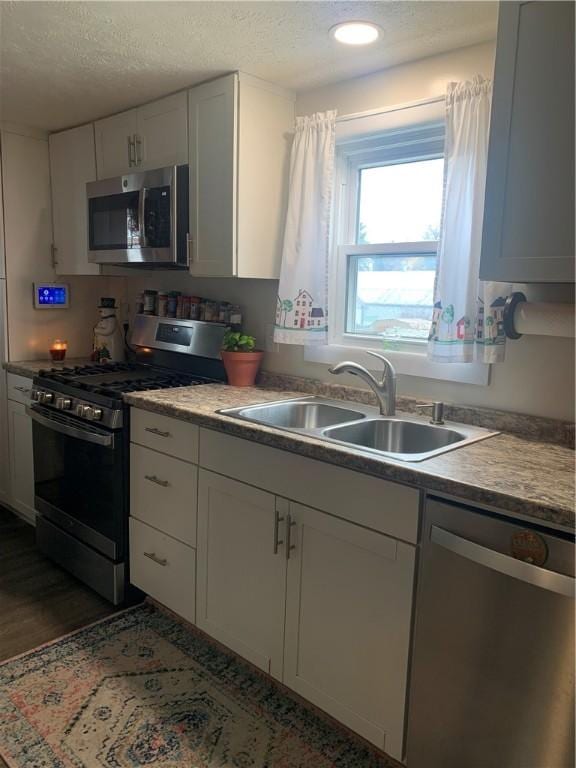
385, 390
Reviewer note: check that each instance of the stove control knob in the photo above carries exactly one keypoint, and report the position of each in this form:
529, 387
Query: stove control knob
45, 397
34, 395
81, 410
63, 403
96, 414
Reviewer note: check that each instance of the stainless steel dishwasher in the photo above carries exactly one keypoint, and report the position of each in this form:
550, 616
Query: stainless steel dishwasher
492, 682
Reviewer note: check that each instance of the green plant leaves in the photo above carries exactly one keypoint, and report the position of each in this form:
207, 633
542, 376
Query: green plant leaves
235, 341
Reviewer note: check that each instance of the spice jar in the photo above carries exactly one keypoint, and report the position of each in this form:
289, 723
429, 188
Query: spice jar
224, 312
162, 305
210, 311
172, 303
235, 317
150, 302
194, 307
183, 308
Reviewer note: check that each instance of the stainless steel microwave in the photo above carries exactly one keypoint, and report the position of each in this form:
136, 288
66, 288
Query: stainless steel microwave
140, 219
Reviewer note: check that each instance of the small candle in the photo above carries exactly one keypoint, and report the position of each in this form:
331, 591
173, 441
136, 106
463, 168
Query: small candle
58, 349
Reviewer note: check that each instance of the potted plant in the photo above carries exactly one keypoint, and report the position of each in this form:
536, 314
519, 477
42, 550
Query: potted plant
241, 359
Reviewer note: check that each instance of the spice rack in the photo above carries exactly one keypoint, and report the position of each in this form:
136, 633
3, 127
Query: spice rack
173, 304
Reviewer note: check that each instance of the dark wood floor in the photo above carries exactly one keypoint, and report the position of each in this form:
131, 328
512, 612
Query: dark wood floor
38, 600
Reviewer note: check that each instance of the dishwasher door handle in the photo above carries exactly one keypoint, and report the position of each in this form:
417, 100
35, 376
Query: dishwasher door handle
510, 566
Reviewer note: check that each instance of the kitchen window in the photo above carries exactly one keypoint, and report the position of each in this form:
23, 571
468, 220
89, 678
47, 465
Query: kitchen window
387, 211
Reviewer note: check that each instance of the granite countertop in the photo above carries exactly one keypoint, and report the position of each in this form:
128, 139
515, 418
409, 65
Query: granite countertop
30, 368
531, 479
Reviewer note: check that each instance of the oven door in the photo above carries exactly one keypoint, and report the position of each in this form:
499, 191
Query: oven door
80, 482
139, 219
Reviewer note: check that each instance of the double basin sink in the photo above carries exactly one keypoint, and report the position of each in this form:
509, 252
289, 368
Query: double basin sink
361, 427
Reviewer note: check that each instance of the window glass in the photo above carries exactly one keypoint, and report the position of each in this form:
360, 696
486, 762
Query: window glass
400, 203
391, 295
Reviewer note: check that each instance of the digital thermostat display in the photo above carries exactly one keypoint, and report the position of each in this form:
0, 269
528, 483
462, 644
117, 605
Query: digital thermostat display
51, 295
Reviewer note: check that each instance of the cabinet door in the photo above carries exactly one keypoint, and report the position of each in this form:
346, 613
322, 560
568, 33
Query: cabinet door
72, 164
348, 616
21, 460
213, 162
162, 135
241, 580
2, 249
4, 447
529, 209
113, 136
163, 568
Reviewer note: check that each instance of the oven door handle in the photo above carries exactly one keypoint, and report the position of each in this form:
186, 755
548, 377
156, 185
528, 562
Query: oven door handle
106, 441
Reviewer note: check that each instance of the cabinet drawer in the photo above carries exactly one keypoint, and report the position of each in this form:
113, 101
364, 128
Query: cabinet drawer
382, 505
19, 388
163, 568
165, 434
164, 493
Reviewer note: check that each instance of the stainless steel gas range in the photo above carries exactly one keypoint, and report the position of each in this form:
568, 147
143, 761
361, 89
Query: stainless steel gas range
81, 444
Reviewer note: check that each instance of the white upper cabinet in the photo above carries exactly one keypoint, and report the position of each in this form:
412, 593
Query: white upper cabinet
213, 161
72, 164
240, 130
162, 133
152, 136
529, 210
115, 146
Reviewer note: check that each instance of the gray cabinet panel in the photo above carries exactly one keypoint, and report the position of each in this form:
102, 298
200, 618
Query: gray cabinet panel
529, 210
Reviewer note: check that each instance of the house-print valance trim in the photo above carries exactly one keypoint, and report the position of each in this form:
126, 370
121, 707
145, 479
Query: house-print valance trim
300, 315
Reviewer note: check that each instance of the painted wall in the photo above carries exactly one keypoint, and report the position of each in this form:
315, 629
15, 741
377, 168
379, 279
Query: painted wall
28, 238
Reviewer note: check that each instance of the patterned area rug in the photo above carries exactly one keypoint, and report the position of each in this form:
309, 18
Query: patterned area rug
141, 689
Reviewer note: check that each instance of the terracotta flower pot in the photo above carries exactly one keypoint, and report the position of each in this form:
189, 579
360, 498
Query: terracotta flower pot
242, 367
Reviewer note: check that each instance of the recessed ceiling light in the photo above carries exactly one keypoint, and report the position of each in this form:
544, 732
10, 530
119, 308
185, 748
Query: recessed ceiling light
355, 32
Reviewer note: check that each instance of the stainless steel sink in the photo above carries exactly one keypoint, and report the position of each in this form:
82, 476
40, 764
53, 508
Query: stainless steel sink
361, 428
296, 414
408, 439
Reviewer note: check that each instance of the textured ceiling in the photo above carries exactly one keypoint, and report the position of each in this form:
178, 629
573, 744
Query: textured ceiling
64, 63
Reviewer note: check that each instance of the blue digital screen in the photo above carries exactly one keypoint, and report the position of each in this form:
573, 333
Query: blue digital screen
52, 295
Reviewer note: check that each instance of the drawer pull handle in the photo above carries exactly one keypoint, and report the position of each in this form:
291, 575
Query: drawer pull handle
156, 431
22, 389
154, 479
159, 560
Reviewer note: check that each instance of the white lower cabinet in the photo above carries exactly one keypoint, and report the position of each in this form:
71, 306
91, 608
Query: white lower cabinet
348, 617
163, 568
330, 617
241, 579
21, 460
317, 601
163, 493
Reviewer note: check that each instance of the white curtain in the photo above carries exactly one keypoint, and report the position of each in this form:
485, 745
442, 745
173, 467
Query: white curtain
302, 303
467, 316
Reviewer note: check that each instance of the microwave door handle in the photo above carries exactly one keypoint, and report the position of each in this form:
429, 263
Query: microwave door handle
141, 216
106, 441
